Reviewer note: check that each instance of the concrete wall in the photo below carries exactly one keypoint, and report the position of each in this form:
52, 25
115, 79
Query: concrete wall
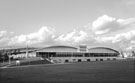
23, 55
75, 59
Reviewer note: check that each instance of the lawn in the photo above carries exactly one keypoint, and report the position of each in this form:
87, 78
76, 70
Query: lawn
121, 71
22, 61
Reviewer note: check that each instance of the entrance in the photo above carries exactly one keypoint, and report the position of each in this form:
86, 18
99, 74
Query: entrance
101, 59
66, 60
88, 60
79, 60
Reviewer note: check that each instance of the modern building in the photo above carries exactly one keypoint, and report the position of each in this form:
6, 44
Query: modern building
61, 54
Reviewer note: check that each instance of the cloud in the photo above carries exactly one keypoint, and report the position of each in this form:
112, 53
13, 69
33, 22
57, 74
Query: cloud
130, 47
122, 40
43, 35
127, 36
4, 34
133, 42
118, 32
104, 39
5, 37
73, 37
107, 24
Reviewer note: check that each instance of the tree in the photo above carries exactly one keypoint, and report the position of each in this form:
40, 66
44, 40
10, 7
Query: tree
3, 55
133, 53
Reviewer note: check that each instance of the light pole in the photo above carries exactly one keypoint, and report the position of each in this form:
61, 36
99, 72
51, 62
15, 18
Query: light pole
9, 56
9, 59
27, 52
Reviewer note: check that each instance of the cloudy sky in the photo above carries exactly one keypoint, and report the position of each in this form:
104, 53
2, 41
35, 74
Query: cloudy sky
67, 22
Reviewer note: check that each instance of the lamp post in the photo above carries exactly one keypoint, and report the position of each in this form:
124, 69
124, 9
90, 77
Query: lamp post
9, 56
27, 52
9, 59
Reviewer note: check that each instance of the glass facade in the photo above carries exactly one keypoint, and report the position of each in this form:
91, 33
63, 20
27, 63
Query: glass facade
75, 54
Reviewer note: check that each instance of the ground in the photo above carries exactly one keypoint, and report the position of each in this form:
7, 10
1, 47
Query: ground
120, 71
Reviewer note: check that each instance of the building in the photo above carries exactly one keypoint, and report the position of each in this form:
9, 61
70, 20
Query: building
61, 54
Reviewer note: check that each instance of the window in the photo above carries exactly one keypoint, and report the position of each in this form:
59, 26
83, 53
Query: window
79, 60
101, 59
88, 60
66, 60
95, 54
96, 59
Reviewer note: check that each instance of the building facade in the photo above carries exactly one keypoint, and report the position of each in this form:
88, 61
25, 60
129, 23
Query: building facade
61, 54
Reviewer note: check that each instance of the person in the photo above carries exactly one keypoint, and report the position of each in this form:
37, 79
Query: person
17, 62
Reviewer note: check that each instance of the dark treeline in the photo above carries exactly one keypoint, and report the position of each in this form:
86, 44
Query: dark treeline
6, 53
133, 53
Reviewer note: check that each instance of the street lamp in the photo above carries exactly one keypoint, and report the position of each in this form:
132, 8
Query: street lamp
9, 56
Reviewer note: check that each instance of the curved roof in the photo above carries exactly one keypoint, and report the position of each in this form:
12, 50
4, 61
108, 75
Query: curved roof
75, 49
102, 50
61, 47
58, 49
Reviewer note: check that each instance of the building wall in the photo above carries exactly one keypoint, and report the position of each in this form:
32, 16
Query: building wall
62, 49
24, 55
75, 59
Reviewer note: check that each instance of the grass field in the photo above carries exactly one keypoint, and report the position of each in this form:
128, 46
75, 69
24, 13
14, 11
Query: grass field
121, 71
